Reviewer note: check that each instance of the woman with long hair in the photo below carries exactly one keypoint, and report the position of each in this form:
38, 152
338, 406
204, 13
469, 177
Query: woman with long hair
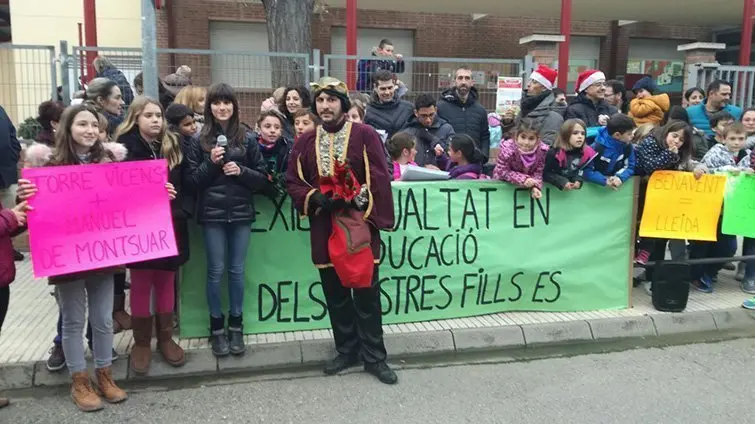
48, 116
77, 143
106, 97
294, 98
145, 134
226, 168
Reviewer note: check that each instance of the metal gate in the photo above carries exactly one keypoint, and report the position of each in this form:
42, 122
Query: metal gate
28, 77
742, 79
433, 75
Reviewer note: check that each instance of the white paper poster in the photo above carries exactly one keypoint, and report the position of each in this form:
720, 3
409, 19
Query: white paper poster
509, 94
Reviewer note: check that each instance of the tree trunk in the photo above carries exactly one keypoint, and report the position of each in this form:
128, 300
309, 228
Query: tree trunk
289, 30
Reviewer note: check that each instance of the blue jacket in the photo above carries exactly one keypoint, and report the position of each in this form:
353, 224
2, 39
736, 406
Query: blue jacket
699, 119
611, 160
367, 67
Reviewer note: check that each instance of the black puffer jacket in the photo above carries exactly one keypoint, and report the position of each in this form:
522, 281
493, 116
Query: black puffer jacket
139, 149
469, 118
438, 133
584, 109
275, 156
389, 117
222, 198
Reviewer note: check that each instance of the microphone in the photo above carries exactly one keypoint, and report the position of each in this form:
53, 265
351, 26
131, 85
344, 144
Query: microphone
221, 141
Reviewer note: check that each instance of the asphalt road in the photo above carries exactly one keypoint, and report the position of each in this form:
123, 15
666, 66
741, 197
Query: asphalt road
701, 383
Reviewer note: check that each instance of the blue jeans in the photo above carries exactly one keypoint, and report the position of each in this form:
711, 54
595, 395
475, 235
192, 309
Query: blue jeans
232, 238
725, 246
748, 248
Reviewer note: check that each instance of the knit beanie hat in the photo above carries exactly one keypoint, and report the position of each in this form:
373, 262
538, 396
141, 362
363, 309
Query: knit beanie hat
545, 76
647, 83
588, 78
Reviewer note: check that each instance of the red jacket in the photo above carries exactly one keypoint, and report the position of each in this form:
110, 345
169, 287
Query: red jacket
8, 228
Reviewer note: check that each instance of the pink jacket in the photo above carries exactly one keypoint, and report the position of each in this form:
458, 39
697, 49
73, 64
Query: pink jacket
8, 227
397, 170
510, 168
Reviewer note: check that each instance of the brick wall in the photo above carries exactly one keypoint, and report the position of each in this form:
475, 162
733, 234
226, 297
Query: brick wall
436, 35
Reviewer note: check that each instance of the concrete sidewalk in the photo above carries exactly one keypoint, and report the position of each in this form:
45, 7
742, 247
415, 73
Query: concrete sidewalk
30, 328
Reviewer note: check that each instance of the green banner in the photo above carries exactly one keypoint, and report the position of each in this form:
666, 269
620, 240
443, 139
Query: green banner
459, 249
739, 205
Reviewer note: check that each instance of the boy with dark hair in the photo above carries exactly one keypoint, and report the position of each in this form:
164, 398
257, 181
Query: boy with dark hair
718, 123
615, 160
385, 59
431, 131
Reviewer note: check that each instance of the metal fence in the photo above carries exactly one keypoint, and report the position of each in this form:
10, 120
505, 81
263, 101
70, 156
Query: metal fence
28, 77
742, 79
253, 74
433, 75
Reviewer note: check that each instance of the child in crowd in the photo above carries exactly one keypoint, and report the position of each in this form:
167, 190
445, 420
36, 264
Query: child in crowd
181, 121
569, 158
667, 148
464, 160
522, 159
614, 161
274, 147
729, 155
357, 111
647, 106
145, 134
403, 148
77, 144
304, 120
12, 223
718, 122
192, 96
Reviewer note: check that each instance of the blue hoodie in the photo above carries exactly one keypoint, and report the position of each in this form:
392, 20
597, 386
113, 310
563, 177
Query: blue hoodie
611, 161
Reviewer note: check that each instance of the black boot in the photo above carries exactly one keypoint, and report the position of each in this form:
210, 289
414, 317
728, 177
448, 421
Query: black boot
236, 335
218, 337
340, 363
17, 256
382, 371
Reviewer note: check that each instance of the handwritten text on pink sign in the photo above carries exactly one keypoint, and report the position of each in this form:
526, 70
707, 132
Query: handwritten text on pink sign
95, 216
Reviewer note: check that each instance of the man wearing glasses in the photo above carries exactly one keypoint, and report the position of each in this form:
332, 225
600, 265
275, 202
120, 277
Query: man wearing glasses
590, 105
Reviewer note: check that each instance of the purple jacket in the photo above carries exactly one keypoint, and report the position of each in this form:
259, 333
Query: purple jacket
510, 168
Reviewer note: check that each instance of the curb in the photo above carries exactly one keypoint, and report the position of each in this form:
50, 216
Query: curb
297, 354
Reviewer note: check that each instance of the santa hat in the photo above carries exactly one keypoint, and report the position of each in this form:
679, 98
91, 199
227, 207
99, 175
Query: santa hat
588, 78
545, 76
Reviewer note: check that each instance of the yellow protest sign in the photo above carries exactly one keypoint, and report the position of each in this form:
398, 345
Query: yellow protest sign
678, 206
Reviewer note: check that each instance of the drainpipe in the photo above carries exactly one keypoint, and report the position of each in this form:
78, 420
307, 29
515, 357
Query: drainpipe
563, 48
90, 36
171, 18
745, 45
351, 43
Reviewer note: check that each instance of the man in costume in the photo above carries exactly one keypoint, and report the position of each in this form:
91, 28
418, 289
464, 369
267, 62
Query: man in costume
355, 314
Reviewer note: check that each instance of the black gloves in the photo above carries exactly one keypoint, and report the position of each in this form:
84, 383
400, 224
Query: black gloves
326, 204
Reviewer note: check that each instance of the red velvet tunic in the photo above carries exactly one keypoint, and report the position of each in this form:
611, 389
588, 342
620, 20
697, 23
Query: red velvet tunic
313, 156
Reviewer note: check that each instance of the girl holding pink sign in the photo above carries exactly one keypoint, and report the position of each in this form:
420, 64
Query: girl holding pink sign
77, 141
145, 134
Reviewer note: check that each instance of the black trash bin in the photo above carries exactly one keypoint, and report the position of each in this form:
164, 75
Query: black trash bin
670, 286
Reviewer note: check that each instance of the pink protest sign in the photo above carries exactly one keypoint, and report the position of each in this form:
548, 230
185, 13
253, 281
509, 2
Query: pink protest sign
95, 216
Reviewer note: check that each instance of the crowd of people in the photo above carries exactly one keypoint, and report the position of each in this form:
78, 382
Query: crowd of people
299, 144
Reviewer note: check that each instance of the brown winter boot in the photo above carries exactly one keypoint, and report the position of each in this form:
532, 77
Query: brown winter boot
4, 402
107, 387
121, 318
170, 350
83, 393
141, 353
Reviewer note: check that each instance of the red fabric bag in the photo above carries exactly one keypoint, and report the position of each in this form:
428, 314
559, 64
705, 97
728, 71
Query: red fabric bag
349, 242
350, 249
